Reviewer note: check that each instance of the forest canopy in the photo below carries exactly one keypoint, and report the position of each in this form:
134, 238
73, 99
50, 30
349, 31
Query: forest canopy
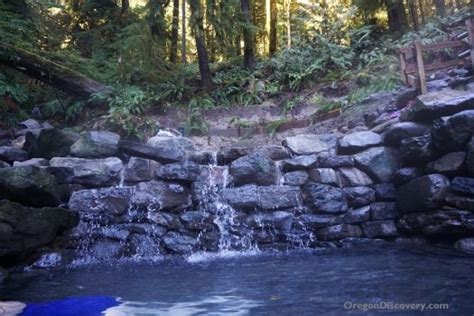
69, 57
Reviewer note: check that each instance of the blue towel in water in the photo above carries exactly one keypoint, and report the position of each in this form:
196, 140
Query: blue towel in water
75, 306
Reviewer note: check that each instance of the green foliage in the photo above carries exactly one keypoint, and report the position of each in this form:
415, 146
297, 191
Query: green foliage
194, 124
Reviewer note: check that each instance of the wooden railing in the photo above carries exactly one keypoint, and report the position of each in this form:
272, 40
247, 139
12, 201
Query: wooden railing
414, 69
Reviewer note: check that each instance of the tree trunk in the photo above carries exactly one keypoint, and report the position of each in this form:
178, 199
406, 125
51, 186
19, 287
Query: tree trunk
422, 12
198, 27
273, 27
59, 76
396, 15
288, 24
414, 15
125, 6
249, 50
183, 31
440, 7
174, 32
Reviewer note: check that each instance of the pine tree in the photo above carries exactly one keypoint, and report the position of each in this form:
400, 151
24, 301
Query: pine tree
199, 37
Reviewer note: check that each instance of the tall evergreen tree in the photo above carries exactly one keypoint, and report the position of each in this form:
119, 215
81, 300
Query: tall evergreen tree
174, 32
199, 37
249, 45
273, 27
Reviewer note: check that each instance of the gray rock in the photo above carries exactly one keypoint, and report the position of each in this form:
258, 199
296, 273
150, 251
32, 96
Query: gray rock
328, 161
140, 170
108, 201
324, 176
359, 196
35, 162
96, 144
385, 192
357, 142
161, 196
299, 163
357, 215
453, 133
30, 186
179, 243
241, 198
4, 164
383, 210
12, 154
296, 178
25, 229
470, 158
462, 185
107, 250
405, 175
277, 220
465, 245
63, 175
379, 162
405, 96
278, 197
49, 143
422, 194
307, 144
439, 103
442, 223
449, 165
182, 171
354, 177
326, 199
416, 151
255, 168
228, 154
182, 147
338, 232
380, 229
460, 201
165, 219
397, 132
197, 221
166, 152
92, 172
317, 220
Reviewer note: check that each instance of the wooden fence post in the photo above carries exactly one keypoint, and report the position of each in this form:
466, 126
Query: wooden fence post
421, 68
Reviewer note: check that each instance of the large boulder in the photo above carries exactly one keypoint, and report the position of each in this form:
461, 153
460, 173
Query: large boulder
95, 144
296, 178
187, 171
422, 194
98, 202
278, 197
450, 164
228, 154
397, 132
405, 175
385, 192
313, 221
357, 215
256, 168
380, 229
359, 196
330, 161
379, 162
299, 163
179, 243
241, 198
276, 220
34, 162
24, 229
463, 185
354, 177
161, 196
358, 141
460, 201
30, 186
140, 170
49, 143
436, 104
12, 154
326, 199
416, 151
324, 176
307, 144
441, 223
338, 232
383, 210
453, 133
465, 245
92, 172
162, 151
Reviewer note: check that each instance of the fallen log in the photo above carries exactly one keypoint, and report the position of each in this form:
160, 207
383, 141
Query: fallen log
50, 72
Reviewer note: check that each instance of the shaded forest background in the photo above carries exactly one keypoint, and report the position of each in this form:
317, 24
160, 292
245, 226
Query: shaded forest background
197, 54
